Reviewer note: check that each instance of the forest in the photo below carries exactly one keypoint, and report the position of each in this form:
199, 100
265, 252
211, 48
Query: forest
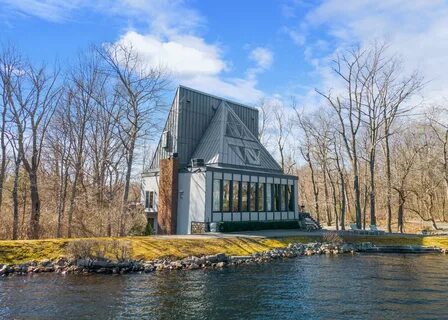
74, 139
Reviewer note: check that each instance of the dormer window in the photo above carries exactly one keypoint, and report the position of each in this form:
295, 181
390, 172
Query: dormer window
166, 139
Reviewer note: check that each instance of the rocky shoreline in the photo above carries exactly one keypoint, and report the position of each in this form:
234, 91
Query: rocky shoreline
100, 266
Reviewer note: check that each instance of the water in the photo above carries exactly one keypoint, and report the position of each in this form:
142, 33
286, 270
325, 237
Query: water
318, 287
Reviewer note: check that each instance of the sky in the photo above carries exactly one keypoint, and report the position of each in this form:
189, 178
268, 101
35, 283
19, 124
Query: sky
243, 50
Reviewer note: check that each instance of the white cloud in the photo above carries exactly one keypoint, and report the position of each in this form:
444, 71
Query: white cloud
415, 30
262, 56
193, 63
52, 10
163, 16
185, 55
169, 38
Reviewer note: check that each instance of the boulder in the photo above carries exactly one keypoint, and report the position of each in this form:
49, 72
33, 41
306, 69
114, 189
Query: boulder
193, 266
221, 257
46, 263
83, 263
211, 258
309, 252
4, 270
176, 265
102, 264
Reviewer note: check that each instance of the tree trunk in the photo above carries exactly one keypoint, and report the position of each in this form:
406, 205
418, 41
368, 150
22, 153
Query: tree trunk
15, 200
61, 201
343, 202
372, 187
335, 202
71, 207
401, 201
389, 184
327, 200
3, 151
315, 191
124, 209
356, 188
35, 206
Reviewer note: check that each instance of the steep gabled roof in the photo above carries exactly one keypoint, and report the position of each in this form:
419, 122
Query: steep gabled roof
227, 142
189, 117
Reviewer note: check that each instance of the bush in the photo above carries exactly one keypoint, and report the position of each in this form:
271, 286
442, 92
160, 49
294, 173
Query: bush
332, 237
100, 249
234, 226
82, 249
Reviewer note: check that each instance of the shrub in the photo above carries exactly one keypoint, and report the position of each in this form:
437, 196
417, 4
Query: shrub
234, 226
332, 237
82, 249
100, 249
121, 250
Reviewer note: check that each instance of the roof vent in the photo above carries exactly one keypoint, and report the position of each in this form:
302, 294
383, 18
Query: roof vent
196, 163
165, 139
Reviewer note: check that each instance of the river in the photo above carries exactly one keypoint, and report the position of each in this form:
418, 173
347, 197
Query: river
365, 286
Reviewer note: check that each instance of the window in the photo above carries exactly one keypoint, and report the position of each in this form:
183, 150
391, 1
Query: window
236, 196
253, 196
216, 195
252, 156
244, 192
146, 199
291, 197
285, 197
268, 197
226, 196
151, 200
261, 197
277, 197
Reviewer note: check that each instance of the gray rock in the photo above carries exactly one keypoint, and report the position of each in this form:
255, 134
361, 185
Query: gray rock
84, 263
211, 258
221, 257
176, 265
4, 270
46, 263
102, 264
193, 266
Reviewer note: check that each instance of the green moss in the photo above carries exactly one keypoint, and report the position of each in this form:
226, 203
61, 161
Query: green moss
148, 248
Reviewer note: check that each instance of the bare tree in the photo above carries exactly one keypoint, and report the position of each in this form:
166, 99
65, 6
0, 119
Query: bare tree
15, 189
139, 88
282, 131
35, 96
350, 67
266, 114
9, 64
439, 126
306, 151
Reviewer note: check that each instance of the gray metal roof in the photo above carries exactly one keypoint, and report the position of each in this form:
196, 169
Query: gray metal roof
229, 143
192, 118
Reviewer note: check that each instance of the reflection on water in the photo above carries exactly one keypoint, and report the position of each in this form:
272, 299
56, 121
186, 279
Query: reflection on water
318, 287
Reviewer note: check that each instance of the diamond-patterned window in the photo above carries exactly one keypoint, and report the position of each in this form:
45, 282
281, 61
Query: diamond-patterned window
249, 156
235, 129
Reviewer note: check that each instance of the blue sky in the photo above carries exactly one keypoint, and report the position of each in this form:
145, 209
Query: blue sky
244, 50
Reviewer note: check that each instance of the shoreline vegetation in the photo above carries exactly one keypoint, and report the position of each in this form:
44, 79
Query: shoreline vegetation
146, 254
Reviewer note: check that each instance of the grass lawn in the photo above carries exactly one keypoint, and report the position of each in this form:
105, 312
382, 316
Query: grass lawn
149, 248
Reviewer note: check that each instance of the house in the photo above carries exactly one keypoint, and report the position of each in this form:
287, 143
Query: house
210, 166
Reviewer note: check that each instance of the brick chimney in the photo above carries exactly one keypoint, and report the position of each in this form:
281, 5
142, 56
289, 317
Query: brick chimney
167, 206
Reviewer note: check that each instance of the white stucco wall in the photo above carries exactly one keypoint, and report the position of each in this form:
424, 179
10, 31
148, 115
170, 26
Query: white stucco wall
151, 184
191, 200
